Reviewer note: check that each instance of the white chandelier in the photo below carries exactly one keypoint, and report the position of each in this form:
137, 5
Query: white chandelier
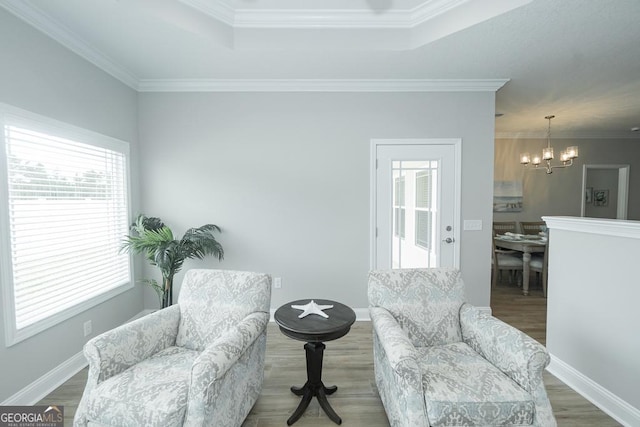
566, 157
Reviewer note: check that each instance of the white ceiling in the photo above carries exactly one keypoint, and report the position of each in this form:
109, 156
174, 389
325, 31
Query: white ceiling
577, 59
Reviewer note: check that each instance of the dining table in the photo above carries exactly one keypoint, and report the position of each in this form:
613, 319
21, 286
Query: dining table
527, 244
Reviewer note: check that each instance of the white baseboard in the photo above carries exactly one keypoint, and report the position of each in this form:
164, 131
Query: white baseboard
362, 314
37, 390
485, 310
608, 402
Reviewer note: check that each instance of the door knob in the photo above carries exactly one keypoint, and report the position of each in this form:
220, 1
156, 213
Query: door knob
448, 240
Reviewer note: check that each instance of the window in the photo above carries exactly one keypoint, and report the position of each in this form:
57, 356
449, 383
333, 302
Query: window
64, 213
399, 209
423, 209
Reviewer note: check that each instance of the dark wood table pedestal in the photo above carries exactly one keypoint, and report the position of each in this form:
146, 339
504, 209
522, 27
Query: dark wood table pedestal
314, 330
314, 385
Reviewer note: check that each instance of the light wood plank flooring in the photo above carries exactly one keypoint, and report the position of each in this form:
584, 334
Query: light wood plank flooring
348, 364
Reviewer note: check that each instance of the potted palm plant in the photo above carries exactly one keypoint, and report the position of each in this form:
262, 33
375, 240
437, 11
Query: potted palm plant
151, 237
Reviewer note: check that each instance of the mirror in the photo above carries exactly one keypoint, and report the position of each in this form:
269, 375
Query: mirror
605, 191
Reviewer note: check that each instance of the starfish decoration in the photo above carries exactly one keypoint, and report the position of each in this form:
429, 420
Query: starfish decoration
312, 308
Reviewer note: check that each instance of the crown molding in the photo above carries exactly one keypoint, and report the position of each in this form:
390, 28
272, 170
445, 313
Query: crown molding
320, 85
568, 135
430, 9
320, 19
34, 16
323, 18
335, 18
218, 9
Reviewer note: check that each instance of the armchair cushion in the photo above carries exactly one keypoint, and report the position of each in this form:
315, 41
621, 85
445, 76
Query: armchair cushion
425, 302
151, 393
212, 301
463, 388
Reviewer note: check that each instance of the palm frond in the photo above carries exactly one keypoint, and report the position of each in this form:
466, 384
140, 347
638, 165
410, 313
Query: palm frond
148, 241
165, 255
149, 236
199, 242
152, 223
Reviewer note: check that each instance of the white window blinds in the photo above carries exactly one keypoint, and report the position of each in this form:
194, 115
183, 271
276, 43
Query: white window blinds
67, 215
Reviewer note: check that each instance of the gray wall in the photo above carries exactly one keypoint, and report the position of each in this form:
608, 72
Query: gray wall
39, 75
592, 311
560, 193
286, 176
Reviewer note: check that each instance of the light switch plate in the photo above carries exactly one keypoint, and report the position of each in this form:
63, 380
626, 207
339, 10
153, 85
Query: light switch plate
472, 224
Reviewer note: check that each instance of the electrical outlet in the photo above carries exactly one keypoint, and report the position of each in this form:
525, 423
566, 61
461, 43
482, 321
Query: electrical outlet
87, 328
277, 282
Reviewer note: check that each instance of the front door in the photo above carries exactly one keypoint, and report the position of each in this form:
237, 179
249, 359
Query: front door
415, 206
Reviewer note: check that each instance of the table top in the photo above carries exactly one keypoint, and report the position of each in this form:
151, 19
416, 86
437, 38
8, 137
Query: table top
521, 244
315, 328
521, 239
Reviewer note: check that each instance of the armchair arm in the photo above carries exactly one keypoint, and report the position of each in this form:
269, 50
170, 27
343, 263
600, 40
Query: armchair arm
218, 357
399, 350
118, 349
516, 354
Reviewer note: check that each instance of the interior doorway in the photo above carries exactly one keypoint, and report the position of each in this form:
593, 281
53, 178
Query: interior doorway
605, 191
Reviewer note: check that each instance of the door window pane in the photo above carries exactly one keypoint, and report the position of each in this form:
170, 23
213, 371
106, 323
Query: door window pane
415, 205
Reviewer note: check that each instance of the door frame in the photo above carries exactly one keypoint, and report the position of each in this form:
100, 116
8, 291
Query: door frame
373, 186
623, 188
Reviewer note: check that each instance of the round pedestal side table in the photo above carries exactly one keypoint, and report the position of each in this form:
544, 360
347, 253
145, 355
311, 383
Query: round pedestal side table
314, 329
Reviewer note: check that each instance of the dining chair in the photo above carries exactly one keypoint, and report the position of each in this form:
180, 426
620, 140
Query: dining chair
539, 263
501, 227
531, 227
504, 259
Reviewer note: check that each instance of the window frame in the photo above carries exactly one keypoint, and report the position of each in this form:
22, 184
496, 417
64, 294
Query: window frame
14, 116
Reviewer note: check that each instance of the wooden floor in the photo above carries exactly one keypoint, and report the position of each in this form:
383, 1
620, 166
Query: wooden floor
348, 364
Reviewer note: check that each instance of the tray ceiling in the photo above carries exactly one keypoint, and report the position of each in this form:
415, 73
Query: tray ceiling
577, 59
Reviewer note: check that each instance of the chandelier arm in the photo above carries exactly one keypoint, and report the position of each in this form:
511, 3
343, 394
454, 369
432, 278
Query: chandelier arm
566, 157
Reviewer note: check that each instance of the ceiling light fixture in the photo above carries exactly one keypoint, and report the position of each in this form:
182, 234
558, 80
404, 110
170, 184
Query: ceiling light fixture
566, 157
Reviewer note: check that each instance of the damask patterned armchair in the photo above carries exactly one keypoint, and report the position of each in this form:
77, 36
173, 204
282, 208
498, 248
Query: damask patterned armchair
442, 362
197, 363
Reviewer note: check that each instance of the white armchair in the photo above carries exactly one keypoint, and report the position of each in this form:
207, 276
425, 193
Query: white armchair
197, 363
442, 362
